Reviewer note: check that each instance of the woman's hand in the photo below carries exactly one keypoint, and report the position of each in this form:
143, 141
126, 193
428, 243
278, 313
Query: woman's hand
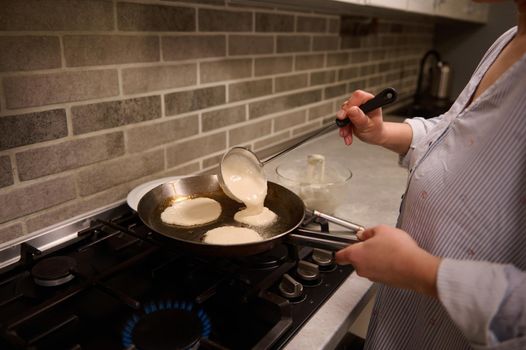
390, 256
371, 128
368, 128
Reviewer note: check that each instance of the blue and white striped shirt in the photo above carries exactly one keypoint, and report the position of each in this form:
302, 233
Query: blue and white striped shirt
466, 202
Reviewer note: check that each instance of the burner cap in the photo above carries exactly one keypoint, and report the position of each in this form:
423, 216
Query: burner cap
166, 326
272, 258
54, 271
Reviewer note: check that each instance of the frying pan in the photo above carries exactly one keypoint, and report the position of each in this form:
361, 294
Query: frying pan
285, 203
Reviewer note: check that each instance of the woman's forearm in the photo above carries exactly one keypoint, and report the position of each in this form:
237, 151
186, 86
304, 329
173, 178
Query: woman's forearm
396, 137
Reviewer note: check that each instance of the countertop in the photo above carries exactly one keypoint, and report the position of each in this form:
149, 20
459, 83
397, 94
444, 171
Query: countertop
374, 195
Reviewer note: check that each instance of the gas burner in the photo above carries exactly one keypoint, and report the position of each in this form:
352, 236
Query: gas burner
272, 258
166, 325
54, 271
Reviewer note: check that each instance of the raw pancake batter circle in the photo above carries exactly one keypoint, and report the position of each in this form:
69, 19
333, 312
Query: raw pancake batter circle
264, 217
192, 212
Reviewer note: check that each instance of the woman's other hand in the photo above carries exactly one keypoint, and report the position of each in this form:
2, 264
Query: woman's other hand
367, 128
389, 255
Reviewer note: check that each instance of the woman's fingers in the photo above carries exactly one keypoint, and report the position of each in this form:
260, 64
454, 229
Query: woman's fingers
345, 256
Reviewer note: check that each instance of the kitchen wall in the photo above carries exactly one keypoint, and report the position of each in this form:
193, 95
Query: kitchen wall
463, 44
97, 97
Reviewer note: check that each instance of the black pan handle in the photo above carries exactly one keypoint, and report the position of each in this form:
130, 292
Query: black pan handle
322, 240
385, 97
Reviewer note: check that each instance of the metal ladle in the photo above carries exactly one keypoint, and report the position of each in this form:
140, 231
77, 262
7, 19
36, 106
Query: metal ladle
385, 97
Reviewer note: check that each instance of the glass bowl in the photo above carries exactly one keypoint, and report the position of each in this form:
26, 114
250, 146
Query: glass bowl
323, 192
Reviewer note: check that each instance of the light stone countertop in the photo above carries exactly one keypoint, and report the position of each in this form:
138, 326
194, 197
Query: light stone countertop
373, 197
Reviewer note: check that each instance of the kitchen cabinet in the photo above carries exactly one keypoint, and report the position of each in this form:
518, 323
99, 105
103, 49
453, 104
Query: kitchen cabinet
421, 6
358, 2
462, 10
393, 4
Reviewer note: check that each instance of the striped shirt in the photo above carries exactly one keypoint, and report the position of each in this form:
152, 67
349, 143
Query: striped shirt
466, 202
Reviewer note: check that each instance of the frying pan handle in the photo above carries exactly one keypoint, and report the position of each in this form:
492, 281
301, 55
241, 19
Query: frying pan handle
385, 97
322, 240
340, 222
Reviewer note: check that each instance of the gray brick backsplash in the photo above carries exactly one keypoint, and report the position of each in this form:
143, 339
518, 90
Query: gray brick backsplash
90, 50
292, 82
249, 89
141, 138
337, 59
27, 199
304, 62
212, 72
321, 111
323, 77
292, 43
368, 69
193, 100
212, 161
348, 73
223, 117
99, 96
193, 46
221, 21
250, 44
102, 176
247, 133
29, 53
273, 65
147, 79
289, 120
45, 89
56, 15
107, 115
325, 43
146, 17
283, 103
6, 172
186, 151
356, 85
11, 232
334, 25
25, 129
307, 128
375, 81
311, 24
350, 42
335, 91
269, 22
282, 136
68, 155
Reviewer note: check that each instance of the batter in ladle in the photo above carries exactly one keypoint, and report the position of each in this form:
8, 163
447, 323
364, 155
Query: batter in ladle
246, 181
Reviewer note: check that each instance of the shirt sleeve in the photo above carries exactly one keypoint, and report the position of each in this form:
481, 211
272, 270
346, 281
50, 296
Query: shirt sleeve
421, 128
487, 301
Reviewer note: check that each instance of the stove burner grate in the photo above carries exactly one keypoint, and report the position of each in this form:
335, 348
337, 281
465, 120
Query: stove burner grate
166, 325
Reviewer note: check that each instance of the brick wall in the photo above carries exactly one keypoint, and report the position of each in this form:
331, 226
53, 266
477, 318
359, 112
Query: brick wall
97, 97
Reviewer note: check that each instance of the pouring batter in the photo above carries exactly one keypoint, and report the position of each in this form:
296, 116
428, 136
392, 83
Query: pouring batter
247, 183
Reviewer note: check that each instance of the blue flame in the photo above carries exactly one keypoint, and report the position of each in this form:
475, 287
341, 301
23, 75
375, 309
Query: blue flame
151, 307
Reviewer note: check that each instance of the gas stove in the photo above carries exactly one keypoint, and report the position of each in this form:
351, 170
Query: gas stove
104, 282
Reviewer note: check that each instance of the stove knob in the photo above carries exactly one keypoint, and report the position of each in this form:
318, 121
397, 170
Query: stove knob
308, 271
323, 257
290, 288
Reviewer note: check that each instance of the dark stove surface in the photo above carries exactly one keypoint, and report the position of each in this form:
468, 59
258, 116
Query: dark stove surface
113, 287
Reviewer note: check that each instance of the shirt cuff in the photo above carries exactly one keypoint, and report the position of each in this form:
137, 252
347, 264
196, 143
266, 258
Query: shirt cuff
418, 132
471, 292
